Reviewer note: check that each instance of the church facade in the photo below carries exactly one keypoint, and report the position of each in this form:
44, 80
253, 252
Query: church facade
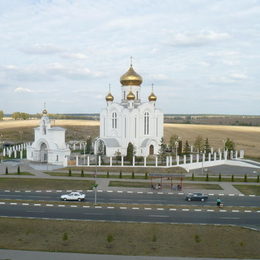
130, 121
49, 143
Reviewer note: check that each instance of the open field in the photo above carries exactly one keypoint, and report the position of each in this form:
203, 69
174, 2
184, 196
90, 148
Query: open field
245, 137
44, 184
129, 238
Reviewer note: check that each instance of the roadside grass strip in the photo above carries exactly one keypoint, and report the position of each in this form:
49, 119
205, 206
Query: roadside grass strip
132, 207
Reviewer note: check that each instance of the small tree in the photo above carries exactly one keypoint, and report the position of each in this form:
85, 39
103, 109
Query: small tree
133, 175
207, 146
1, 114
207, 177
245, 178
6, 170
219, 177
69, 172
146, 175
162, 150
229, 145
18, 169
65, 236
173, 143
198, 144
232, 178
82, 173
130, 153
118, 156
89, 145
107, 174
186, 149
120, 175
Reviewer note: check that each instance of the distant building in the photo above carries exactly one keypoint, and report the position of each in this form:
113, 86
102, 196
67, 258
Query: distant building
130, 120
49, 143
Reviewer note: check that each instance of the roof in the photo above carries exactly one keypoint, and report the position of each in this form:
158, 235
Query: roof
110, 142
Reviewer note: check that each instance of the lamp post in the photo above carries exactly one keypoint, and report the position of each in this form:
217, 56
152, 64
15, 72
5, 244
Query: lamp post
95, 189
84, 150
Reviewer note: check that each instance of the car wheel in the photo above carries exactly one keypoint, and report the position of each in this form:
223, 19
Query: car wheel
189, 199
64, 199
79, 199
202, 199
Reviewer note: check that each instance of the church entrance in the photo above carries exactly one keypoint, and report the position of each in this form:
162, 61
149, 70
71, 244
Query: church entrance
43, 153
151, 150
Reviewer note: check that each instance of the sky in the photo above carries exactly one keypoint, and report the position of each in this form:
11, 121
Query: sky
203, 56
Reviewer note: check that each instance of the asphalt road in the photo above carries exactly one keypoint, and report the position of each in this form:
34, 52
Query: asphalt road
133, 215
135, 198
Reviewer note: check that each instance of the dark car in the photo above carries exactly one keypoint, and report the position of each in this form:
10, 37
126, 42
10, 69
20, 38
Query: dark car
196, 196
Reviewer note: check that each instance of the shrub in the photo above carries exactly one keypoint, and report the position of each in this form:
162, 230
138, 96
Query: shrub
146, 175
6, 170
69, 172
120, 175
82, 173
110, 238
133, 175
65, 236
107, 174
197, 238
232, 178
257, 179
245, 178
219, 177
18, 169
207, 177
154, 238
192, 177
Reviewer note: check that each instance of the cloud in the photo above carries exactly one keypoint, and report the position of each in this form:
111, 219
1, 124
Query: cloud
42, 49
78, 56
23, 90
197, 39
238, 76
228, 79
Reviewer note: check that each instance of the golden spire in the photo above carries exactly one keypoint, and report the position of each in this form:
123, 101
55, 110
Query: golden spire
109, 96
131, 78
152, 96
130, 95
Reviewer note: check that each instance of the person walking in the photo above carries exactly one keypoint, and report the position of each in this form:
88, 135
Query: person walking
218, 202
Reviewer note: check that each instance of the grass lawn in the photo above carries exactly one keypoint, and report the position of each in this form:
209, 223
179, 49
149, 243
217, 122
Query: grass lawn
129, 238
15, 173
148, 185
249, 189
223, 178
43, 184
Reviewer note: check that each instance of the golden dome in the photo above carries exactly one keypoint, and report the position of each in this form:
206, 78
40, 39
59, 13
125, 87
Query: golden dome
109, 97
152, 97
131, 78
45, 112
130, 96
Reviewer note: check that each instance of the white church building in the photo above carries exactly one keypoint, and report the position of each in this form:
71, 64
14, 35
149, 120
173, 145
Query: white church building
130, 120
49, 143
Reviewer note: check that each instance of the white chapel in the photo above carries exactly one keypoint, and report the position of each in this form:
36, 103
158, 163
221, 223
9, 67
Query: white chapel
49, 143
130, 120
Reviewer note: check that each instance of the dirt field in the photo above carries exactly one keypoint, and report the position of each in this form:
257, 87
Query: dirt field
129, 238
247, 138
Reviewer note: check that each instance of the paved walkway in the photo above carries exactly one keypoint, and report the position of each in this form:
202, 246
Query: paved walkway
32, 255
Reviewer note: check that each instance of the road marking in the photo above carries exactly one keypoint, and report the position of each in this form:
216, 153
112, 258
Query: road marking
159, 192
149, 192
123, 207
48, 190
252, 195
147, 208
211, 194
158, 216
235, 210
228, 218
98, 207
140, 192
110, 207
89, 190
241, 195
134, 208
27, 191
197, 210
180, 193
13, 203
25, 204
73, 206
58, 190
170, 193
120, 191
2, 203
49, 205
100, 191
160, 208
37, 204
248, 211
110, 191
129, 191
38, 191
172, 209
68, 190
61, 205
222, 210
221, 194
7, 190
86, 207
258, 211
79, 190
185, 210
210, 210
231, 194
17, 191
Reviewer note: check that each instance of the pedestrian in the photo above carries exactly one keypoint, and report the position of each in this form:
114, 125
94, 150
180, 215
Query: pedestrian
218, 202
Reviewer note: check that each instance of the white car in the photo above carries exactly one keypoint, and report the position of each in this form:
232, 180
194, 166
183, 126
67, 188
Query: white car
73, 196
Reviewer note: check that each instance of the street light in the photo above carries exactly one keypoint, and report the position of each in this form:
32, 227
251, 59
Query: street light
95, 189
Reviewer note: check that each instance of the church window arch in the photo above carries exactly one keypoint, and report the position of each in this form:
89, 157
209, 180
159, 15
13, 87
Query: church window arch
146, 123
137, 96
114, 120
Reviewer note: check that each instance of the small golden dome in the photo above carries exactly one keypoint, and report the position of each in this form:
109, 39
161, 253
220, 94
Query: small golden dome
109, 97
152, 97
45, 112
131, 78
130, 96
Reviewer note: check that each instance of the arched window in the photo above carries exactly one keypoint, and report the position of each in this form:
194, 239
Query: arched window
114, 120
146, 123
137, 97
